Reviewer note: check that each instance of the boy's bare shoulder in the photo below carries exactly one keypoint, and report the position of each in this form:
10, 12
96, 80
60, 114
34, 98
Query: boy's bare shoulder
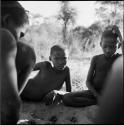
67, 69
6, 35
96, 57
5, 31
25, 49
7, 39
45, 64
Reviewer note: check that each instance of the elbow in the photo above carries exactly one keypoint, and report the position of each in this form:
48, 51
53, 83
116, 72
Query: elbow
88, 84
68, 89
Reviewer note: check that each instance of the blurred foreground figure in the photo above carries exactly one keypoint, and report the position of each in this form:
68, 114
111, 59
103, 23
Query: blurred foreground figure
13, 20
111, 103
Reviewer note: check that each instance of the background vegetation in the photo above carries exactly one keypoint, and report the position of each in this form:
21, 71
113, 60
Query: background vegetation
82, 43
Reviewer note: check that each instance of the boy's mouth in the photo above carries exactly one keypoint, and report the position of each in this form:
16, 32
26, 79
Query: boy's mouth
60, 67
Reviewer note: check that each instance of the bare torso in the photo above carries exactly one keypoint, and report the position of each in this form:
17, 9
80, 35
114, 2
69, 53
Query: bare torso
46, 80
102, 67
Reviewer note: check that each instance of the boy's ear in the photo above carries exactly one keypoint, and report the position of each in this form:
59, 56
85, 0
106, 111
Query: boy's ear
5, 20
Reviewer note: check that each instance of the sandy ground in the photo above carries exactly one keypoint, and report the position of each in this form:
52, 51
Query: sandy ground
39, 113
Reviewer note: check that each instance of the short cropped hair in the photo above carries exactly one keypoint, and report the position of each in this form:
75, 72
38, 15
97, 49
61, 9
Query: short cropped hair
56, 48
110, 33
15, 11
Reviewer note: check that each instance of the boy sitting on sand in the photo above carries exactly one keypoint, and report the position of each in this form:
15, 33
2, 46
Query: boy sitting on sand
50, 77
99, 68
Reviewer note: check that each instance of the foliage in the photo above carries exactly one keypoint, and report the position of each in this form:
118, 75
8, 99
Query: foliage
110, 12
80, 40
67, 15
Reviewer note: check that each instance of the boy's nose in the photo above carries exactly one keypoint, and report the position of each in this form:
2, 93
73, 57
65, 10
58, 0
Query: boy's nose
62, 62
107, 49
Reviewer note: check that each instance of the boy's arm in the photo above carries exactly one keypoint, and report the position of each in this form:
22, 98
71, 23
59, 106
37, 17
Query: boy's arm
89, 81
117, 31
68, 81
37, 66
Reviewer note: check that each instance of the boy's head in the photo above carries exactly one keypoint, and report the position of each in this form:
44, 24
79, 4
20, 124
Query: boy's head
109, 42
58, 57
14, 17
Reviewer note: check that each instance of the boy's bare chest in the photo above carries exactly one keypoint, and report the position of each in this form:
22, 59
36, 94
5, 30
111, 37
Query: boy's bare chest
49, 75
104, 65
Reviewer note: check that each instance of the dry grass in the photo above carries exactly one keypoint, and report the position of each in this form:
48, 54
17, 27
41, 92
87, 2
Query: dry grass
78, 72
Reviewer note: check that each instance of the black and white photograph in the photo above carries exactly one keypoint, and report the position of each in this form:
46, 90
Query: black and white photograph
61, 62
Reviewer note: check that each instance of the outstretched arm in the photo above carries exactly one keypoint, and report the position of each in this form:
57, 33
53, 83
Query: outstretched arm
117, 31
68, 81
89, 81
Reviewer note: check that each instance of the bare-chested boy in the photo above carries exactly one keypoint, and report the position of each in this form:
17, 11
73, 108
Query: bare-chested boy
50, 77
13, 19
99, 68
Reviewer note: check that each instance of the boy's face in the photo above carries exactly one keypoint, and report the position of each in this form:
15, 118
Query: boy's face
59, 60
109, 46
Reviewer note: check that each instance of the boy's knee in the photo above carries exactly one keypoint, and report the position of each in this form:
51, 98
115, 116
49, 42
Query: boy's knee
66, 99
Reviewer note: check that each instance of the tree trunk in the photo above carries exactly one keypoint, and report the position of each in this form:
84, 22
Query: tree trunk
65, 33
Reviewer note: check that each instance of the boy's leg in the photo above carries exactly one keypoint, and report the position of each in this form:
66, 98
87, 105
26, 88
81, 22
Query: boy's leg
79, 99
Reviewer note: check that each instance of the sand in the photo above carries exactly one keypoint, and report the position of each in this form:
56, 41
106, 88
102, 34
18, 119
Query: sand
39, 113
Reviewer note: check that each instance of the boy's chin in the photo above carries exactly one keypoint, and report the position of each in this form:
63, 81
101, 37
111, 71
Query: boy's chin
59, 68
108, 56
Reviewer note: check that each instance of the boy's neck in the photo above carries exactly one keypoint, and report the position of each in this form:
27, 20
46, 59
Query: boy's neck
110, 56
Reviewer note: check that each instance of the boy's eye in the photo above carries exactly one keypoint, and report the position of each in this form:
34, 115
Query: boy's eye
58, 58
